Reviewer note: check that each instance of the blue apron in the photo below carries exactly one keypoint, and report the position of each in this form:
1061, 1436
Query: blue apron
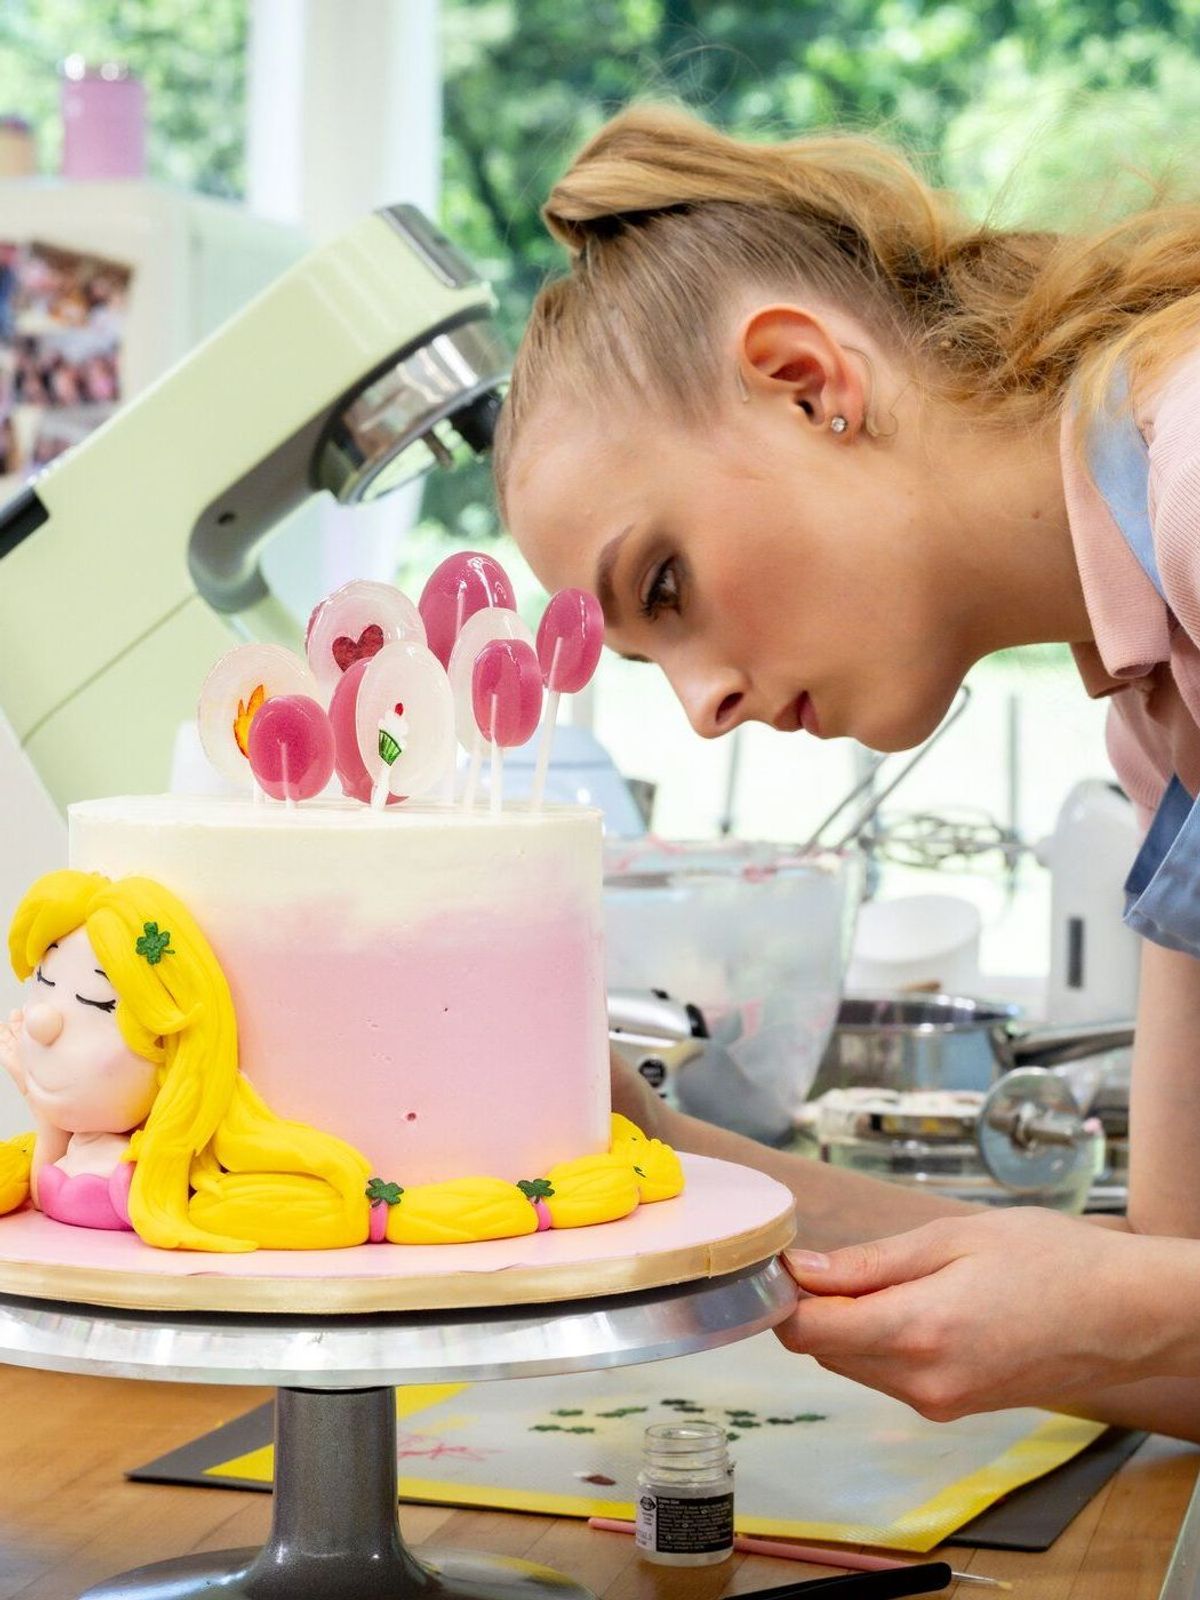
1162, 892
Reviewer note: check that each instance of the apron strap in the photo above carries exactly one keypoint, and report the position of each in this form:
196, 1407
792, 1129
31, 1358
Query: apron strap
1119, 463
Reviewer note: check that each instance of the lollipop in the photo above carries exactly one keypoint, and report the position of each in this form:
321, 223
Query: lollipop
291, 748
481, 629
242, 682
347, 761
506, 698
354, 624
404, 719
462, 585
569, 640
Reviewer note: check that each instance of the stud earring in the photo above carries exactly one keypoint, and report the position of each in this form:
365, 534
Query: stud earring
838, 424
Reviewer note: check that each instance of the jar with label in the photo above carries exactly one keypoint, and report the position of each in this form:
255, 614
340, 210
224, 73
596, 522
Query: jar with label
685, 1495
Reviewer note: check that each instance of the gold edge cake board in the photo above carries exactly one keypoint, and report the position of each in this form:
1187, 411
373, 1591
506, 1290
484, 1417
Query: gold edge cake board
524, 1285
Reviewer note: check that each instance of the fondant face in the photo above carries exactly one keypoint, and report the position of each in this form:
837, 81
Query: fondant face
80, 1075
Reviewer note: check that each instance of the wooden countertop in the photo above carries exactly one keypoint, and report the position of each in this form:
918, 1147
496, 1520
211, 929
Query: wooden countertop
68, 1518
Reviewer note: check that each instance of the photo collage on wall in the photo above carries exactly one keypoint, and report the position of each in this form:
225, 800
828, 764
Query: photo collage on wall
62, 315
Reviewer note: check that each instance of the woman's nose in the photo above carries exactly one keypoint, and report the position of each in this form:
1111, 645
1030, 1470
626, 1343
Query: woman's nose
714, 705
43, 1023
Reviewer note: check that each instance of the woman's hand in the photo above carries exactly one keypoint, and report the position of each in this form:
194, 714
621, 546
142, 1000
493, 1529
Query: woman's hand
10, 1056
1007, 1308
633, 1097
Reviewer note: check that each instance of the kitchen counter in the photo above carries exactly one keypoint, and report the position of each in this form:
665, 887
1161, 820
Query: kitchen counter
68, 1518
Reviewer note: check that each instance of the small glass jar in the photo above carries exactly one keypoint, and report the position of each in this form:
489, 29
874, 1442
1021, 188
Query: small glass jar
685, 1495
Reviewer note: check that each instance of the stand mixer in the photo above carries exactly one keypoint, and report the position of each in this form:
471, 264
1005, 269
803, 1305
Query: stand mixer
125, 564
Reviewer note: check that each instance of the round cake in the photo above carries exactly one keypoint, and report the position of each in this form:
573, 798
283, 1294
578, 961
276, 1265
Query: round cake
425, 982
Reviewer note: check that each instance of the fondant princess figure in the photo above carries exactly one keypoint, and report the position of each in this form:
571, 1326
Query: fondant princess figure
126, 1053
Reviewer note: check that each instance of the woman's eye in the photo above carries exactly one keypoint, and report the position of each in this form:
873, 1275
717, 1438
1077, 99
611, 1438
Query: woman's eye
42, 978
100, 1005
663, 593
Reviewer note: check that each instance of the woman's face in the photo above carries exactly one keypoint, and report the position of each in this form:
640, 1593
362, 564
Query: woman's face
775, 570
80, 1075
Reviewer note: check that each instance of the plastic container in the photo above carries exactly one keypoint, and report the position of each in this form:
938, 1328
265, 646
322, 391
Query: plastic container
685, 1495
756, 935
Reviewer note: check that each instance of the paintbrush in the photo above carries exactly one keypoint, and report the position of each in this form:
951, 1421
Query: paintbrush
851, 1560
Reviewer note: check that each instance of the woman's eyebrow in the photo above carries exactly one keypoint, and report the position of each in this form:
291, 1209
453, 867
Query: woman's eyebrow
605, 564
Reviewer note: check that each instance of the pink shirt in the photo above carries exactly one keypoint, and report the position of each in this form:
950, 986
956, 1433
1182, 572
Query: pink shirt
1146, 654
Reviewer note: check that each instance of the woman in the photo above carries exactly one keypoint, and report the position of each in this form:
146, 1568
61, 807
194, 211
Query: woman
820, 445
126, 1052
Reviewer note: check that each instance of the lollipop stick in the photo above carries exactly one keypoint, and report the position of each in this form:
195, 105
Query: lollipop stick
497, 775
473, 766
288, 797
543, 755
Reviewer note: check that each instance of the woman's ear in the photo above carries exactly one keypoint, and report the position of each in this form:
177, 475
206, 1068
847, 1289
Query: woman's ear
784, 353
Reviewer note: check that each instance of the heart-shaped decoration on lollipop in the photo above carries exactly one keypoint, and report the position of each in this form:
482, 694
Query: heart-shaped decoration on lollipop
353, 624
346, 651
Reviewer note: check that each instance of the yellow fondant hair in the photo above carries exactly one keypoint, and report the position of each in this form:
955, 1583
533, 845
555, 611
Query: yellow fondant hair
215, 1168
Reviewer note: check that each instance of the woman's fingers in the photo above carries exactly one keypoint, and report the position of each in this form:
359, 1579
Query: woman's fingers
875, 1264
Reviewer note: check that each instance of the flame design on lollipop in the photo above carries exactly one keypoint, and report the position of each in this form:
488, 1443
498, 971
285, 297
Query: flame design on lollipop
246, 712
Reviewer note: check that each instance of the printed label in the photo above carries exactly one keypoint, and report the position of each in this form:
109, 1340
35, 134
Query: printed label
684, 1527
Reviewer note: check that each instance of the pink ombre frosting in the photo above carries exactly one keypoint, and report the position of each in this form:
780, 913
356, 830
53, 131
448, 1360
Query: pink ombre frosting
425, 982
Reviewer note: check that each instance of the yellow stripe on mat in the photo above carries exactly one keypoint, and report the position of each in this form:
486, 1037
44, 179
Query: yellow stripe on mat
1052, 1443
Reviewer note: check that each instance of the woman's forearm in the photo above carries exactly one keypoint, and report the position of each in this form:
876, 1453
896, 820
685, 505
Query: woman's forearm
833, 1207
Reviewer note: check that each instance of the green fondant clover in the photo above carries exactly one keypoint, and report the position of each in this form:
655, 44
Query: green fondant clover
382, 1193
536, 1188
152, 944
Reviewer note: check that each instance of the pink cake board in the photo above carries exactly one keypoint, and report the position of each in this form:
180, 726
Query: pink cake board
728, 1217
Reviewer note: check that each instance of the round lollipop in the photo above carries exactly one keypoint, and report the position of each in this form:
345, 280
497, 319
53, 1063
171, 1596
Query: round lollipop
353, 624
494, 623
506, 698
291, 748
463, 584
347, 760
242, 682
570, 637
404, 718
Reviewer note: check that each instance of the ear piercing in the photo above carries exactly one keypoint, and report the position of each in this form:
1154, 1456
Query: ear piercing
838, 424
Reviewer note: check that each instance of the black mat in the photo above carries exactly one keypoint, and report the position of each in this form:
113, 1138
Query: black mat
1030, 1518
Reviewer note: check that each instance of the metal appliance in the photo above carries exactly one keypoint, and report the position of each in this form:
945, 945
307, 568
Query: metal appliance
126, 563
1025, 1142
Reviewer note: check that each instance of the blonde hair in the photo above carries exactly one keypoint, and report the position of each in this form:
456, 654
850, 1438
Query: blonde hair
215, 1168
665, 218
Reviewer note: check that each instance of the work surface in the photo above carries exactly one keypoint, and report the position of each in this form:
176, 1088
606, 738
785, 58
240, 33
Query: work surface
68, 1518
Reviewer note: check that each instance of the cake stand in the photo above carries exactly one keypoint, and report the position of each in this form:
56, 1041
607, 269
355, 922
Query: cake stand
335, 1533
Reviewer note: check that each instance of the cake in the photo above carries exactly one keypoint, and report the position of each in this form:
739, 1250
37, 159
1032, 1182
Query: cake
314, 1023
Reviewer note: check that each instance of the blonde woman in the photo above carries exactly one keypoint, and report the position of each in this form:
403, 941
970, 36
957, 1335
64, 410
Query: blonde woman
820, 444
126, 1052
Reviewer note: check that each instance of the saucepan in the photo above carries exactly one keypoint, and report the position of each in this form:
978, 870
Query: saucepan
946, 1042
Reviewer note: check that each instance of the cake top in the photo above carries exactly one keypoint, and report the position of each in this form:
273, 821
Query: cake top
388, 690
319, 815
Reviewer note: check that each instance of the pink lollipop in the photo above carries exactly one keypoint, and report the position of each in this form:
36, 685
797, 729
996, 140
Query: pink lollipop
506, 693
347, 761
462, 585
570, 637
291, 748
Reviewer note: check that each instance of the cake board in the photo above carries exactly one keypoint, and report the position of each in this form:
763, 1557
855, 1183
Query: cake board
335, 1534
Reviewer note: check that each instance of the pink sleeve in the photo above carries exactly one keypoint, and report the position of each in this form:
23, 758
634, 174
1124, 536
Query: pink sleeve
1171, 422
1137, 772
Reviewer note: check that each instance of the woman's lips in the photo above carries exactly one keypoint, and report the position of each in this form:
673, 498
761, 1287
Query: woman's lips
806, 715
